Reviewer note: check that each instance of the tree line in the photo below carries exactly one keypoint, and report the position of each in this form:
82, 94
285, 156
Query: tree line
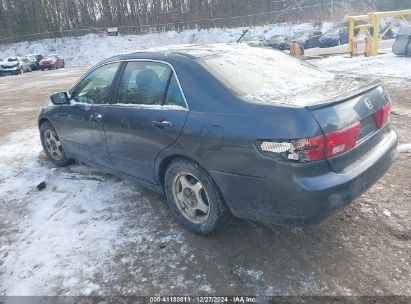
20, 17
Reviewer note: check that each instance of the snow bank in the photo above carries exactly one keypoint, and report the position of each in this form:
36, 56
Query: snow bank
90, 49
382, 65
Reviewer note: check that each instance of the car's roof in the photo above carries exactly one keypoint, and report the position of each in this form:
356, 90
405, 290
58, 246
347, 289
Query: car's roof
171, 53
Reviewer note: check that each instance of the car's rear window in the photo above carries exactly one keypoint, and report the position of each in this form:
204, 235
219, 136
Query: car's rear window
266, 75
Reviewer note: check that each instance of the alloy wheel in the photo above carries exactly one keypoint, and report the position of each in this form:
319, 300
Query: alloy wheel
191, 198
53, 144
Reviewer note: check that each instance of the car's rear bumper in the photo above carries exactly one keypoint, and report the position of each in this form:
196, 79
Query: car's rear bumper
305, 199
47, 66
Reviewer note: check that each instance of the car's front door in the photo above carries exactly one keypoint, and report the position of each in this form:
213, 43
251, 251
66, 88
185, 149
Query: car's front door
80, 124
147, 117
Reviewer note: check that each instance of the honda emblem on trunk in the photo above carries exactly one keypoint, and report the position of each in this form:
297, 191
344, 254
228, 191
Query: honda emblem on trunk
368, 103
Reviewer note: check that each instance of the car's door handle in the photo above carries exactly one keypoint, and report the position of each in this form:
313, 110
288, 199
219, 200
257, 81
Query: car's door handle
163, 123
96, 117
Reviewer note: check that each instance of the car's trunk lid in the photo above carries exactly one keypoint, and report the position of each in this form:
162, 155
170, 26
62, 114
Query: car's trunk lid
356, 106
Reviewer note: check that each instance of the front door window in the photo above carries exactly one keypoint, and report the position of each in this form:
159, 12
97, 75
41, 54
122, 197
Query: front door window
95, 88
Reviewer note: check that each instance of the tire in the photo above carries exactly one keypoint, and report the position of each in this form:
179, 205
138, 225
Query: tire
197, 191
52, 145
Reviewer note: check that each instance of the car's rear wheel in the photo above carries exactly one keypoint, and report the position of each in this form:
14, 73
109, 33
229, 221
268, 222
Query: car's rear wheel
194, 198
52, 145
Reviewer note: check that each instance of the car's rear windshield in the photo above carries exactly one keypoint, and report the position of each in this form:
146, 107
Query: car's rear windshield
266, 75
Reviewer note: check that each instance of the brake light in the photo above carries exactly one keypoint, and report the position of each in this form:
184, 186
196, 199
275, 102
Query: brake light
308, 149
383, 115
318, 147
341, 141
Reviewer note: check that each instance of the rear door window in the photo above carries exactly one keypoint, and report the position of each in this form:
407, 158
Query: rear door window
150, 83
144, 83
174, 95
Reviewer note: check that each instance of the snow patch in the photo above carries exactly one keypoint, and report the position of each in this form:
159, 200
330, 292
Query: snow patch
84, 231
381, 65
404, 148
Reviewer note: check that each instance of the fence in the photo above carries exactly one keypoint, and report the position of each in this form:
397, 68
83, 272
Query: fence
320, 11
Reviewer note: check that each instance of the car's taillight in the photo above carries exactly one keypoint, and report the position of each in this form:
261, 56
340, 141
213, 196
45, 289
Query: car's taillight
341, 141
383, 115
308, 149
318, 147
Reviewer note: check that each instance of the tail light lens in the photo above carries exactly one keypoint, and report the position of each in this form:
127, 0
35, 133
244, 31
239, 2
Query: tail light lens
316, 148
309, 149
383, 115
341, 141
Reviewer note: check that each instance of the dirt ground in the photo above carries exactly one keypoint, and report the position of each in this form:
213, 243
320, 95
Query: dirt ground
363, 250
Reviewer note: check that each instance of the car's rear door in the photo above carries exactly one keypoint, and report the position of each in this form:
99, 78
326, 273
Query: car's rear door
147, 116
80, 124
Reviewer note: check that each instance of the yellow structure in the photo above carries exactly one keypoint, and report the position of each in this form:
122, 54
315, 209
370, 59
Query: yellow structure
295, 50
368, 49
373, 21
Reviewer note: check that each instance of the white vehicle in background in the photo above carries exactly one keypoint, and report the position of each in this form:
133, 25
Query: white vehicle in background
14, 66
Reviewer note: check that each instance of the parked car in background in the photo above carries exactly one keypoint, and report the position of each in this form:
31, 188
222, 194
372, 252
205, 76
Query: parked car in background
219, 130
279, 42
14, 66
254, 40
52, 61
34, 60
307, 40
334, 37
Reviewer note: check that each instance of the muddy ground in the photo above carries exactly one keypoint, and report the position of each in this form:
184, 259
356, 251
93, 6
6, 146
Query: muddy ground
363, 250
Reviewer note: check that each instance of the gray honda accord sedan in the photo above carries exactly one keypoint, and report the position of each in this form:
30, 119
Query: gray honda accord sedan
226, 130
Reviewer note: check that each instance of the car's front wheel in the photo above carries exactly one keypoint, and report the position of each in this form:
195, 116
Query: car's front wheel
194, 198
52, 145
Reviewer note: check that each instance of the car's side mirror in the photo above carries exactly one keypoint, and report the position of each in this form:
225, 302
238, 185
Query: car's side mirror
60, 98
